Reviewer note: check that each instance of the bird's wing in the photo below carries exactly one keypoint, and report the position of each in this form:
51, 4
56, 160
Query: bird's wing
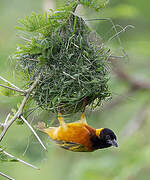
71, 146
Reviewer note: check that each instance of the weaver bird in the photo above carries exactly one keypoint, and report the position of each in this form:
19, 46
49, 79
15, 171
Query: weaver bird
79, 136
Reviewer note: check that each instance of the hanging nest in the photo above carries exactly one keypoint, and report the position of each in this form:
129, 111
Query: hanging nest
71, 58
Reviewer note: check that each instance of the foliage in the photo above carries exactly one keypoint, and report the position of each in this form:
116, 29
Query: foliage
131, 159
7, 92
70, 57
95, 4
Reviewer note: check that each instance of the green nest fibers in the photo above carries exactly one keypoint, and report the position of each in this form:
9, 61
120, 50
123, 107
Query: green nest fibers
73, 66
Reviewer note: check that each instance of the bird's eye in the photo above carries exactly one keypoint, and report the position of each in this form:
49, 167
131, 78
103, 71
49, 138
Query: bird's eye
107, 137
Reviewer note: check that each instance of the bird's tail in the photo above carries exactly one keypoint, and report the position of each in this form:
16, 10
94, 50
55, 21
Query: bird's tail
40, 126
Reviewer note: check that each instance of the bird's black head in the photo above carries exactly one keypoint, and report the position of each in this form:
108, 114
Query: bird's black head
104, 138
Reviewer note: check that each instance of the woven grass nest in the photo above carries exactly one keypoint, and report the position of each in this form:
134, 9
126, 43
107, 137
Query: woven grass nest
73, 64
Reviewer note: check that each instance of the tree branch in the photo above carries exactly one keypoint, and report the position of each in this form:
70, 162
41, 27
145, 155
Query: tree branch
4, 175
7, 118
33, 132
20, 109
19, 160
14, 87
3, 124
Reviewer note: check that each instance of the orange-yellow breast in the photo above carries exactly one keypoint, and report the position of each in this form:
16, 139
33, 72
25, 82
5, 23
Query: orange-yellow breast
76, 132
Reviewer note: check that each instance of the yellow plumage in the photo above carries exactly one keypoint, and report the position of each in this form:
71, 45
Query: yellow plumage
77, 136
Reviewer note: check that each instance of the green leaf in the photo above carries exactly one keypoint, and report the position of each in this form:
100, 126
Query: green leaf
95, 4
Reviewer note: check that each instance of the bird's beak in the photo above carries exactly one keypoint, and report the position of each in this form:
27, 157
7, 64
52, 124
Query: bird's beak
113, 143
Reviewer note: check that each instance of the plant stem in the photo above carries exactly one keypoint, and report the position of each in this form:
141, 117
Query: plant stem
17, 90
15, 87
19, 160
4, 175
33, 132
20, 110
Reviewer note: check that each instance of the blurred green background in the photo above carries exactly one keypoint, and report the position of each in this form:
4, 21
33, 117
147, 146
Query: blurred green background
131, 161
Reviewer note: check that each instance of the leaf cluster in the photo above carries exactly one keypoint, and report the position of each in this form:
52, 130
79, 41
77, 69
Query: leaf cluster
95, 4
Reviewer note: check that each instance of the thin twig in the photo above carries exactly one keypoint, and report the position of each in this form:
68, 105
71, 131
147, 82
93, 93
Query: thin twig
32, 59
19, 160
17, 90
33, 132
25, 39
118, 33
8, 177
20, 110
68, 75
12, 85
26, 147
2, 125
7, 118
116, 57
